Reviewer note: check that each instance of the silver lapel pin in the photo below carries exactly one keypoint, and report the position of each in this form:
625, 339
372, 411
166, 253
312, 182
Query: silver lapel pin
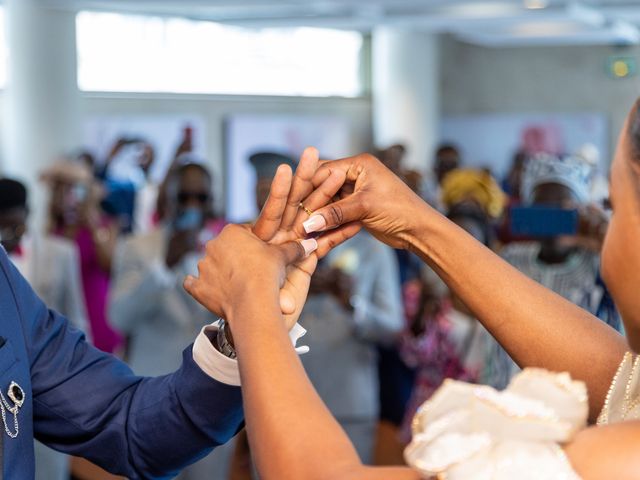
17, 396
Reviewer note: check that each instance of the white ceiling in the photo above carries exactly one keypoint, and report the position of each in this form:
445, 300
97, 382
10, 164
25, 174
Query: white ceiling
488, 23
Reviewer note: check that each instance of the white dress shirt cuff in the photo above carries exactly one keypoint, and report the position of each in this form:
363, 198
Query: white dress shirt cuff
222, 368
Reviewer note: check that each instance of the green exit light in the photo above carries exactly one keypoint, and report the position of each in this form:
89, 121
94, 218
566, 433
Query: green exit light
622, 67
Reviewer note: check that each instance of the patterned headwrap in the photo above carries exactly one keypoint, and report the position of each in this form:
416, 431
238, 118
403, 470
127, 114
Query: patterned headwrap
476, 185
573, 172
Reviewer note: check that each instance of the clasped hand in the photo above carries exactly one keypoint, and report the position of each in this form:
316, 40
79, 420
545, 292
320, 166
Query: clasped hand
270, 263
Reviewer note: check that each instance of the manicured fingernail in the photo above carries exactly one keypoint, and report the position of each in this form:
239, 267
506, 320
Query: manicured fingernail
310, 245
314, 224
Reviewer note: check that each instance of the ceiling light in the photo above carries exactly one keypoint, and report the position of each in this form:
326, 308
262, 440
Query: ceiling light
482, 9
536, 4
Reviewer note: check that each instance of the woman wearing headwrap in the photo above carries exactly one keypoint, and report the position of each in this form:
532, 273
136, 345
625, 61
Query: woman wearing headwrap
561, 263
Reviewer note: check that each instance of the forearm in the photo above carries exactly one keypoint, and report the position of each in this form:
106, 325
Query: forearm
536, 326
290, 429
140, 428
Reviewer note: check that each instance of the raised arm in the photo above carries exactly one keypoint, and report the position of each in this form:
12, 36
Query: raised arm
536, 326
292, 433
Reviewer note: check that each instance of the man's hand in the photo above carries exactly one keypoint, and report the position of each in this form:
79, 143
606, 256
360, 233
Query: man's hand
239, 269
282, 217
281, 221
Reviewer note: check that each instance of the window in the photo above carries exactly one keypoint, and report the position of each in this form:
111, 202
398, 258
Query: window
128, 53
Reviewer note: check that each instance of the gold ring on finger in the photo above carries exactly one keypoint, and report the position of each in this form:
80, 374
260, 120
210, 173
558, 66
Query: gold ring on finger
306, 210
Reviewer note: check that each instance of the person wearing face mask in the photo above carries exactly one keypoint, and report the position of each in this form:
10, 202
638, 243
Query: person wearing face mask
147, 302
75, 215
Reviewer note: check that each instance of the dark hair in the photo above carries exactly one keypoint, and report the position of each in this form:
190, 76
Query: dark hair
182, 169
447, 147
13, 194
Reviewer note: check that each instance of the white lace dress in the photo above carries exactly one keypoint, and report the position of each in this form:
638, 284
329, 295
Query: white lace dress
475, 432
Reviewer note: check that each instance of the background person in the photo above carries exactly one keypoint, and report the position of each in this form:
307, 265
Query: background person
52, 267
147, 301
568, 266
75, 214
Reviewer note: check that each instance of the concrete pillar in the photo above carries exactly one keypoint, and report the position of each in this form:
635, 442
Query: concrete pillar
405, 85
42, 113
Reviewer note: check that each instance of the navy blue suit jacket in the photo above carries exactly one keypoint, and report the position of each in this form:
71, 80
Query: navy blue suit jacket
88, 403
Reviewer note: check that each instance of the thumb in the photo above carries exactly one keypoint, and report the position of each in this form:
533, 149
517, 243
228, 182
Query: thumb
293, 252
349, 209
189, 285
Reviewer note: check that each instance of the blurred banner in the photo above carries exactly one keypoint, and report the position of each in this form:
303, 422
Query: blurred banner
491, 140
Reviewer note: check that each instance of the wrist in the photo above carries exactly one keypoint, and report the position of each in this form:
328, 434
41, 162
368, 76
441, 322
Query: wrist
223, 341
422, 222
251, 309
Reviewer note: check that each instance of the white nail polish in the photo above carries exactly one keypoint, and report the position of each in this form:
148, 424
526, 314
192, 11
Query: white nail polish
310, 245
314, 224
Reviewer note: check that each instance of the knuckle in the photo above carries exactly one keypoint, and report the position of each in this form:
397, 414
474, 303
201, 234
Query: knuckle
299, 250
336, 214
365, 202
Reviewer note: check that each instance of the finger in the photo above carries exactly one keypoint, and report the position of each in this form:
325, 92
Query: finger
322, 173
302, 185
297, 285
333, 238
190, 284
320, 197
287, 302
293, 252
268, 223
351, 167
350, 209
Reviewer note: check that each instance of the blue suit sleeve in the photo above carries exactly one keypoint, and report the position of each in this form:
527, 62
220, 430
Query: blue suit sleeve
90, 404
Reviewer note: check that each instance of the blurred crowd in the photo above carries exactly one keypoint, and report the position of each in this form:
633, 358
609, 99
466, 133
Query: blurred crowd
384, 331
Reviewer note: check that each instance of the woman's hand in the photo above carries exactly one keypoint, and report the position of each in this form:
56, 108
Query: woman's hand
281, 221
372, 195
241, 270
282, 217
